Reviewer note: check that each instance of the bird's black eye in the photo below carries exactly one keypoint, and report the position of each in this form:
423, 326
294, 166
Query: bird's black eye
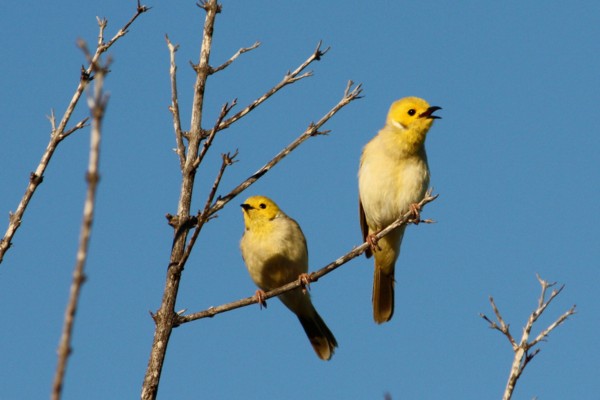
412, 112
262, 205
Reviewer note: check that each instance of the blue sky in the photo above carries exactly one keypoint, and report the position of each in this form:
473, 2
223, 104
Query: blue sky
514, 159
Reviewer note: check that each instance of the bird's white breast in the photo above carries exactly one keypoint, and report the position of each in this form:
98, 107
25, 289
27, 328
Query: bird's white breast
389, 183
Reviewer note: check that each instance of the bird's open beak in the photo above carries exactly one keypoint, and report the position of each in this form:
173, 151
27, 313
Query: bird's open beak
246, 207
429, 113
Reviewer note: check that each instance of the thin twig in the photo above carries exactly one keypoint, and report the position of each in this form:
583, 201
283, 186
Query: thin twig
523, 350
225, 109
58, 134
502, 327
312, 130
79, 125
542, 304
234, 57
98, 107
174, 108
289, 78
125, 29
313, 277
228, 159
202, 218
544, 334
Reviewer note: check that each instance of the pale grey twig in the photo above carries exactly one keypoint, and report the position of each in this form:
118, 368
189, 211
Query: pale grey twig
312, 130
60, 132
98, 104
524, 349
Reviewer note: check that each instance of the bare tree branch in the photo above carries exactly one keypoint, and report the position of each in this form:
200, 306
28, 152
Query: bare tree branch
60, 132
209, 212
501, 326
203, 216
312, 130
79, 125
123, 31
559, 321
225, 109
524, 351
289, 78
313, 277
234, 57
174, 108
183, 222
98, 107
166, 315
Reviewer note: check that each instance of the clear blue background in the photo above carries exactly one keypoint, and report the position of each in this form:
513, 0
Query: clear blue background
514, 159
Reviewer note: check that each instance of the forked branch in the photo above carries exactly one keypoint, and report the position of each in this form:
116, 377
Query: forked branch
350, 94
289, 78
60, 132
174, 107
524, 349
191, 155
203, 217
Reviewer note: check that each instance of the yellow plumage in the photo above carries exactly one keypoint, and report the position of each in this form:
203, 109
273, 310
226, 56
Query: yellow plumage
275, 252
393, 175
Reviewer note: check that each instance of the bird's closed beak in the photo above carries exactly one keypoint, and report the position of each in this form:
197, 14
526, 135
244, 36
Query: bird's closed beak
429, 113
246, 207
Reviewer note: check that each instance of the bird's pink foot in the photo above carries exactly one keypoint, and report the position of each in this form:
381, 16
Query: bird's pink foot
260, 297
305, 281
416, 210
372, 240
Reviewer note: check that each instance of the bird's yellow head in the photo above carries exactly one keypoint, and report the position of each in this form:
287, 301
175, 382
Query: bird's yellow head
412, 113
259, 209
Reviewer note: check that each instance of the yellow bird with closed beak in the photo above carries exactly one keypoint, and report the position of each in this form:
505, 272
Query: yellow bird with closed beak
275, 252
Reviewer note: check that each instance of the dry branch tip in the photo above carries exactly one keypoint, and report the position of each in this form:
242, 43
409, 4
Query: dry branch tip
141, 8
207, 4
85, 76
320, 53
52, 119
172, 47
230, 159
102, 22
324, 132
